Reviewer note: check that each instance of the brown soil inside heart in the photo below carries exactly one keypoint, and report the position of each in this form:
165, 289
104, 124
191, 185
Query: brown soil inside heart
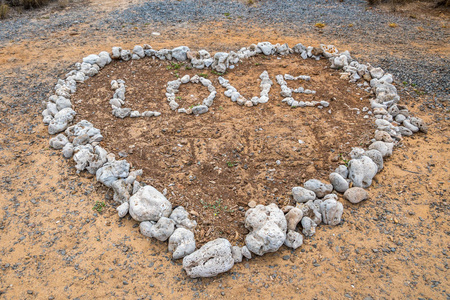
216, 163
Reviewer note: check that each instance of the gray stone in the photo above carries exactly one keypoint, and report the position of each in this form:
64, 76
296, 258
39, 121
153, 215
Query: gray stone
139, 51
199, 109
267, 226
122, 210
361, 171
339, 183
246, 253
61, 121
122, 190
376, 157
181, 218
83, 157
80, 140
210, 260
266, 48
63, 103
293, 239
121, 112
98, 160
125, 55
356, 195
67, 151
293, 217
342, 170
59, 141
181, 243
116, 52
145, 228
376, 73
309, 226
384, 148
91, 59
318, 187
302, 195
419, 123
111, 171
332, 211
163, 229
148, 204
180, 53
236, 252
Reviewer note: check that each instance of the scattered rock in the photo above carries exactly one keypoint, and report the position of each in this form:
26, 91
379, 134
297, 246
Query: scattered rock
339, 183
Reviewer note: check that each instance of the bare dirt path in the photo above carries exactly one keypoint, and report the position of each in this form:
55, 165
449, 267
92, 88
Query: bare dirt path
53, 244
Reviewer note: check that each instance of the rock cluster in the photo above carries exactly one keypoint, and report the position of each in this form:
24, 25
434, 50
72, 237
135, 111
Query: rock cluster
269, 226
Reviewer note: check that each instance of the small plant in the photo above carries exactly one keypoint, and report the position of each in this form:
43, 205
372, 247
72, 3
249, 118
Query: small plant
188, 67
174, 66
217, 73
176, 74
346, 161
203, 75
4, 9
320, 25
217, 207
194, 105
258, 64
178, 97
231, 164
98, 206
220, 108
226, 14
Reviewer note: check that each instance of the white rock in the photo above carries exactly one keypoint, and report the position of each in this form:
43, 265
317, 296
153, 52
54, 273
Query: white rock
111, 171
293, 239
384, 148
339, 183
59, 141
267, 226
145, 228
356, 195
332, 211
163, 229
122, 209
148, 204
361, 171
181, 243
319, 188
301, 194
210, 260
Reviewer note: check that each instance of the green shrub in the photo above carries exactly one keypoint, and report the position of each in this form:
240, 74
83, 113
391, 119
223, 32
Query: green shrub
27, 4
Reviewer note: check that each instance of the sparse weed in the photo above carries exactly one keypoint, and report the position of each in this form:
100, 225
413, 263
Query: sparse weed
203, 75
98, 206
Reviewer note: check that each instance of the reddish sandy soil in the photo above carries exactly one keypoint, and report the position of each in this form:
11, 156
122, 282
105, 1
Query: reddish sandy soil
53, 244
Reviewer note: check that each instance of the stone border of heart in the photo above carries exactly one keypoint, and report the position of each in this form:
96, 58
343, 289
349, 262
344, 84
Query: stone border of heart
269, 226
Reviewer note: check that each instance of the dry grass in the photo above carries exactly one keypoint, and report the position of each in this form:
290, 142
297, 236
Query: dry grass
403, 2
4, 9
63, 3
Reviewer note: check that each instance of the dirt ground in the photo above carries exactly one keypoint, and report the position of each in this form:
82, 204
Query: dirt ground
53, 244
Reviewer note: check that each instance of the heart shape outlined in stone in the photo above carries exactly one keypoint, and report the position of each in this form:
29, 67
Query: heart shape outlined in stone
270, 227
